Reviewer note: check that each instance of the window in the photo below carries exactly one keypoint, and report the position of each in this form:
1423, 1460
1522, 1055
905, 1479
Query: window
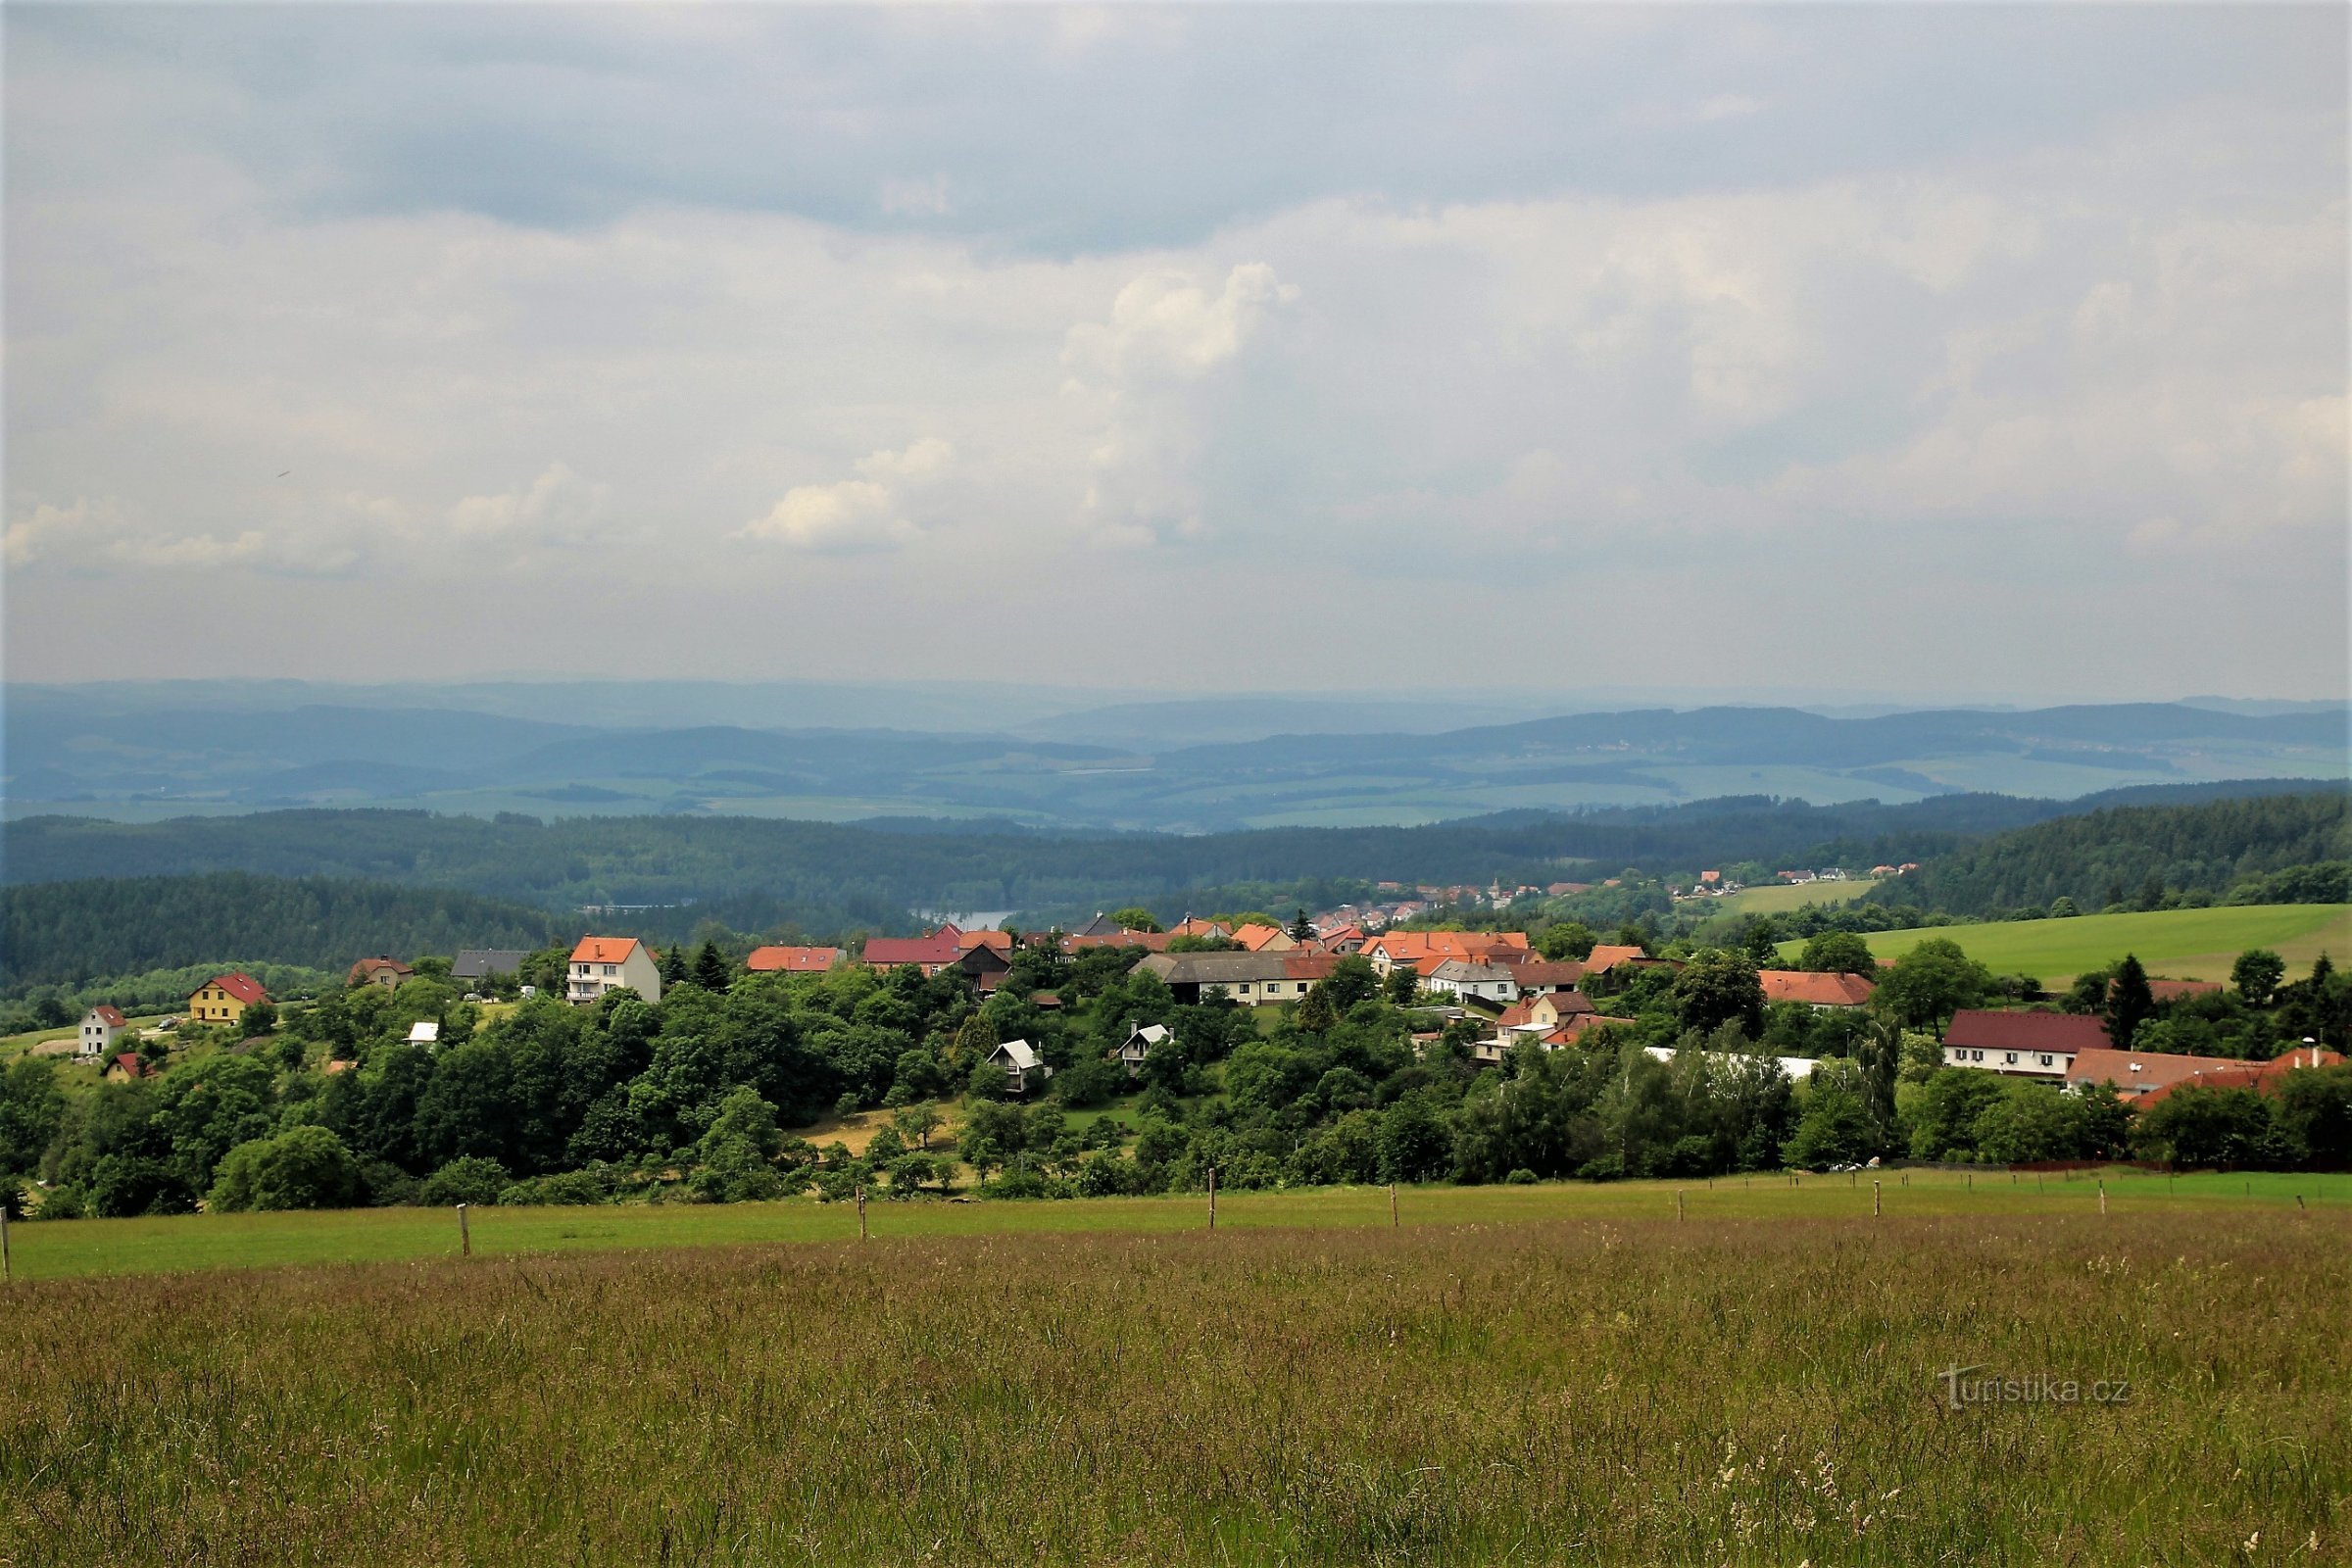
2011, 1059
2045, 1061
611, 968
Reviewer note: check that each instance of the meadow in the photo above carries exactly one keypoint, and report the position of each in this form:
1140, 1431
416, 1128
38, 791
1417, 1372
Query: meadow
1537, 1376
1783, 899
2181, 944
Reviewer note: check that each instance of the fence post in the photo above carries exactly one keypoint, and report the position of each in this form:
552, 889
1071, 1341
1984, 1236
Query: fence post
2102, 1195
1877, 1201
862, 1211
8, 1269
1677, 1203
1212, 1197
1392, 1205
464, 1233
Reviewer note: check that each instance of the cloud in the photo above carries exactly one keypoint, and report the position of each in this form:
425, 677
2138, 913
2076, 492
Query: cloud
854, 516
1163, 324
558, 507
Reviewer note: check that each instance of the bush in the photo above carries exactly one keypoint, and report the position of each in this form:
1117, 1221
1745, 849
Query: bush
569, 1187
468, 1179
306, 1167
1522, 1177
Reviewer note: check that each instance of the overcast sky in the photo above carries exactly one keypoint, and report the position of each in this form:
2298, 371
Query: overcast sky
1986, 350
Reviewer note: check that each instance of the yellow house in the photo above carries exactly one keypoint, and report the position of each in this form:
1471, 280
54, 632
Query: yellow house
225, 997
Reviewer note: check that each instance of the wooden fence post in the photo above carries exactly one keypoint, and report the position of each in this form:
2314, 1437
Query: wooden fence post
1877, 1201
2102, 1195
1212, 1197
862, 1211
8, 1269
464, 1233
1677, 1203
1392, 1205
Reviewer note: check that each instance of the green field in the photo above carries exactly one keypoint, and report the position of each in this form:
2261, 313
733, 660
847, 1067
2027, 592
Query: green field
1548, 1374
115, 1247
1778, 900
2181, 944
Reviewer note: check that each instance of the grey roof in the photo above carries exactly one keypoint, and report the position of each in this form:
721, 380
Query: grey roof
474, 962
1216, 968
1019, 1052
1462, 969
1101, 925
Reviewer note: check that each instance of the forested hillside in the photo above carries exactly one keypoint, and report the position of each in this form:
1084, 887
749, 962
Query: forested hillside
822, 876
2109, 856
68, 933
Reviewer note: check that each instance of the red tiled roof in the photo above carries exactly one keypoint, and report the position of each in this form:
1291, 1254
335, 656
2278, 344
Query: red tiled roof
1814, 989
792, 960
1301, 965
1001, 941
1548, 975
889, 952
1411, 946
368, 967
243, 987
1192, 925
2177, 990
2137, 1071
129, 1063
604, 949
1255, 938
1582, 1024
2064, 1033
1608, 956
109, 1016
2263, 1077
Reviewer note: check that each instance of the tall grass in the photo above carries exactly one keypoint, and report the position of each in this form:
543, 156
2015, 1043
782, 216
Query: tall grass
1603, 1391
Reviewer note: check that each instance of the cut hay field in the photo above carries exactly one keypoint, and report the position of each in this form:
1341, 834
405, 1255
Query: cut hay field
1611, 1388
2181, 944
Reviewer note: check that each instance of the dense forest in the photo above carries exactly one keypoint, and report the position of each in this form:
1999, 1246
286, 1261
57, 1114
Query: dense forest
2107, 858
70, 933
754, 874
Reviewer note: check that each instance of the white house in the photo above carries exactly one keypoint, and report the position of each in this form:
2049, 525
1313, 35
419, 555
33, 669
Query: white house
1465, 979
607, 963
101, 1027
1019, 1059
426, 1032
2025, 1044
1140, 1044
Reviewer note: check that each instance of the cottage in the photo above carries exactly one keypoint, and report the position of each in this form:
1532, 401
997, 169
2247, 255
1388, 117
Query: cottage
1264, 939
225, 997
1141, 1042
1252, 979
383, 970
101, 1027
1468, 981
939, 951
1823, 993
986, 966
792, 960
1392, 948
473, 965
2032, 1045
1020, 1063
126, 1066
1538, 975
599, 965
1607, 957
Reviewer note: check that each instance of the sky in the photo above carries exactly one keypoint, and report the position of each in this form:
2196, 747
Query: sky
1968, 349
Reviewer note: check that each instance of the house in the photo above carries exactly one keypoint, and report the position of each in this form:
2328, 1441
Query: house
101, 1027
1148, 941
1264, 939
1343, 939
1019, 1060
1101, 925
792, 960
2032, 1045
225, 997
477, 964
2138, 1073
986, 966
599, 965
1001, 941
1823, 993
425, 1033
126, 1066
1392, 948
1577, 1025
2263, 1077
1466, 980
1536, 975
385, 970
1140, 1043
1252, 979
1607, 957
939, 951
1194, 926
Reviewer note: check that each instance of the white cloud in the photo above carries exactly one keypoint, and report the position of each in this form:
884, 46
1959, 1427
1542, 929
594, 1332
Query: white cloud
1165, 324
852, 516
557, 507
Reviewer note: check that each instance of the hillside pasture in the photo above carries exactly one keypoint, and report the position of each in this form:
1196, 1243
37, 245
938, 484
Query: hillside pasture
2180, 943
1780, 899
1615, 1388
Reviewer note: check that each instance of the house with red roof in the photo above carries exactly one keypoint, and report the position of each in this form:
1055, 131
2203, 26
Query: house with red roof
127, 1066
598, 965
932, 953
383, 970
1607, 957
101, 1027
1264, 939
2030, 1044
225, 997
1392, 948
792, 960
2137, 1075
1823, 993
2263, 1077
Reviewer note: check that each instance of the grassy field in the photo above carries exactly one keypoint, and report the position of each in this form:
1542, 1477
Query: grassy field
1538, 1376
117, 1247
1780, 899
2183, 944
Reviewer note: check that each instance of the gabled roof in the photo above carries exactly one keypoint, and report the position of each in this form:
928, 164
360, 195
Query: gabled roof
426, 1032
1101, 925
1463, 971
2263, 1077
1001, 941
1814, 989
1192, 925
1609, 956
109, 1016
373, 966
792, 960
1582, 1024
1019, 1052
129, 1063
1258, 938
887, 951
1544, 974
1410, 947
243, 987
472, 963
2059, 1033
1238, 968
605, 950
2137, 1071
